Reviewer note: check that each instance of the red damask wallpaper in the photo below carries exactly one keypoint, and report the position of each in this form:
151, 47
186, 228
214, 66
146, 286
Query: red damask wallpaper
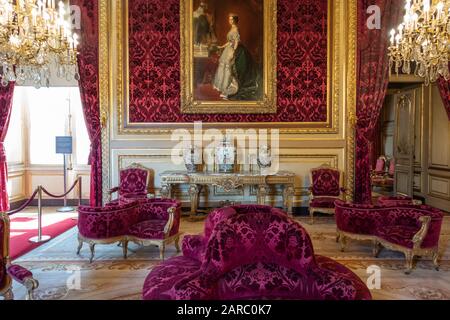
154, 55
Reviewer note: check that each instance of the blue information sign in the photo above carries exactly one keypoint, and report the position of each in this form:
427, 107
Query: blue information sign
64, 145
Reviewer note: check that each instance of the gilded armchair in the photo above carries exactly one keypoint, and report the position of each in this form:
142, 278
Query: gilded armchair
380, 167
8, 272
384, 178
134, 181
325, 189
158, 224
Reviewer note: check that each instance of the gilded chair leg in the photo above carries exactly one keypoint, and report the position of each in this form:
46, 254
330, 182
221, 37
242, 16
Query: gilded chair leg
436, 260
177, 244
92, 247
30, 294
125, 248
343, 242
162, 250
376, 248
80, 245
9, 295
409, 262
338, 236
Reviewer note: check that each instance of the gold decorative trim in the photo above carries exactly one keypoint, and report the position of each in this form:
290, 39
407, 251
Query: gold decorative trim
119, 77
104, 94
352, 19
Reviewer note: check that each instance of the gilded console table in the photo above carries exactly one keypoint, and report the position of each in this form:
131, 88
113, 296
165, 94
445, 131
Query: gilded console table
229, 182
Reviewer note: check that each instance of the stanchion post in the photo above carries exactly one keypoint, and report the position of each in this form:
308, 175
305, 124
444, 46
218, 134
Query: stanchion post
80, 193
65, 208
40, 238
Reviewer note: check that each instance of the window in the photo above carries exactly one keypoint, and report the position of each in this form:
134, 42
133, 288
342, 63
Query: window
14, 137
48, 110
51, 112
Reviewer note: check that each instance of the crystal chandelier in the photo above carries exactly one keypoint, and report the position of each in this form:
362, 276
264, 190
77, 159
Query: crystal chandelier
421, 45
36, 37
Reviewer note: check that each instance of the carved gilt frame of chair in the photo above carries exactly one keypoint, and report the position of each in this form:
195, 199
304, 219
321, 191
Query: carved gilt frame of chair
160, 243
134, 165
342, 195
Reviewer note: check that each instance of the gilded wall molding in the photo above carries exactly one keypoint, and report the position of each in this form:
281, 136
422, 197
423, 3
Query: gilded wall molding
104, 77
119, 76
351, 15
342, 97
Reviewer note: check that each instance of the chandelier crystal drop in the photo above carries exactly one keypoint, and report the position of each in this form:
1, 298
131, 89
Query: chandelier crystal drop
36, 37
421, 43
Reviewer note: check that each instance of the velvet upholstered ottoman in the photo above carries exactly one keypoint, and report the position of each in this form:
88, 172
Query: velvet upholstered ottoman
251, 252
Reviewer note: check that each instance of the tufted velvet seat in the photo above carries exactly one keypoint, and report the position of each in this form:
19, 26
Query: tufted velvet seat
324, 202
251, 252
411, 229
142, 221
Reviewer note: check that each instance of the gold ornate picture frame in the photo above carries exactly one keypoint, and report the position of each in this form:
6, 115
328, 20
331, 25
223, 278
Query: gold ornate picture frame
266, 102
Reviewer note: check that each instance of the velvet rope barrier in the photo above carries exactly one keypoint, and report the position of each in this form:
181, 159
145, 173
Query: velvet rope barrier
63, 195
26, 204
40, 189
33, 196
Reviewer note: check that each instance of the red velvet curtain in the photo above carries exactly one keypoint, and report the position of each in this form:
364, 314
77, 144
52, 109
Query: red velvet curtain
6, 97
444, 87
375, 146
88, 63
372, 81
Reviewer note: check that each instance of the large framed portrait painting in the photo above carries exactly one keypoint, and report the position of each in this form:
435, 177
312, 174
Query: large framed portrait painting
228, 56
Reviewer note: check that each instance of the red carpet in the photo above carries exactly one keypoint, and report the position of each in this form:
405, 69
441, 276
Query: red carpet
23, 228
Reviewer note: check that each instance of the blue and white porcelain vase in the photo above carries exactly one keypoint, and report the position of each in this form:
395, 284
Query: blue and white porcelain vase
226, 157
192, 158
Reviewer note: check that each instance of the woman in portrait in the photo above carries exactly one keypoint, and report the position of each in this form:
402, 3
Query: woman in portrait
236, 76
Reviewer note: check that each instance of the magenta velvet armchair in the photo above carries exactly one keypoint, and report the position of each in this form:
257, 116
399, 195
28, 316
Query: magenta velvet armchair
380, 167
325, 188
252, 254
411, 229
105, 225
384, 179
158, 224
134, 182
9, 272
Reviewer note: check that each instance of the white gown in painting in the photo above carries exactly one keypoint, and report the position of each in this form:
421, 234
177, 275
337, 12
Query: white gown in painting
225, 80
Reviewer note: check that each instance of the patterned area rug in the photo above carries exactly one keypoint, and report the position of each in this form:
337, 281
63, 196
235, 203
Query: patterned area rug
64, 275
